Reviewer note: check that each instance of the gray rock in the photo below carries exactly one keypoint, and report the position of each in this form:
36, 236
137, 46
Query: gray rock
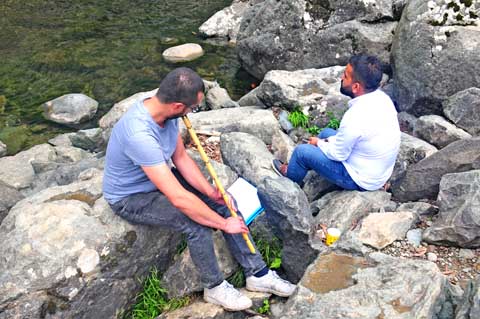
251, 99
70, 109
338, 286
284, 122
305, 88
17, 171
225, 23
423, 54
407, 122
432, 257
287, 35
342, 208
459, 217
466, 254
315, 186
90, 140
412, 150
66, 243
437, 131
70, 154
282, 146
419, 208
9, 196
107, 122
289, 215
61, 140
224, 173
247, 155
414, 237
381, 229
260, 123
3, 149
422, 179
470, 305
182, 278
218, 98
463, 109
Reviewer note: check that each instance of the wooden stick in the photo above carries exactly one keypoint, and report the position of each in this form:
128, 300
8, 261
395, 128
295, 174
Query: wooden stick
214, 176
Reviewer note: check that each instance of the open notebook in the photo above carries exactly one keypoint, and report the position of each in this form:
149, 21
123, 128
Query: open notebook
247, 199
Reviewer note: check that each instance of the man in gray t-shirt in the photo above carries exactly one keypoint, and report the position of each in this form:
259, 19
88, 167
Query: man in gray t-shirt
141, 186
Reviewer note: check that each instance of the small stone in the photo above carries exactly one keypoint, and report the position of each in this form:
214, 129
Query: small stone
432, 257
88, 260
466, 254
183, 53
414, 237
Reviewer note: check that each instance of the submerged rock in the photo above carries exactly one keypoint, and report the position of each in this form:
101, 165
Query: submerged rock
70, 109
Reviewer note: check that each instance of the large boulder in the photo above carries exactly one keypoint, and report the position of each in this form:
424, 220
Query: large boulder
459, 217
9, 196
260, 123
437, 131
423, 178
338, 286
218, 98
70, 109
463, 109
288, 35
66, 255
289, 215
429, 43
412, 150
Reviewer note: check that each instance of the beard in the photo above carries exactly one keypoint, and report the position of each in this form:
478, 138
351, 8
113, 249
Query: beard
346, 90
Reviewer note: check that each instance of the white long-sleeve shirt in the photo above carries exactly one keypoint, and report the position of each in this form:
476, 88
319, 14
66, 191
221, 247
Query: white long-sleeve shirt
367, 141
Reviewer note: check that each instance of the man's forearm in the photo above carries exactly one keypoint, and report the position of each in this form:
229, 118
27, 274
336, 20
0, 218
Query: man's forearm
193, 175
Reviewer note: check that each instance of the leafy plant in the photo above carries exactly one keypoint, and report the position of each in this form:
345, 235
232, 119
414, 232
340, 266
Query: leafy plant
153, 300
271, 250
237, 279
333, 121
298, 118
314, 130
265, 308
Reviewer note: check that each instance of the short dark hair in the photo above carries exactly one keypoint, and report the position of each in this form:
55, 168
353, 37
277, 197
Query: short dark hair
180, 85
367, 70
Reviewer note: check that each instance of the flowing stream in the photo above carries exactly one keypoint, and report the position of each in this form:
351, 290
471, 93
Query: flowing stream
106, 49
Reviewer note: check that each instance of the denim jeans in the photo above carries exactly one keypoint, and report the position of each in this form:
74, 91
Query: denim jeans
155, 209
306, 157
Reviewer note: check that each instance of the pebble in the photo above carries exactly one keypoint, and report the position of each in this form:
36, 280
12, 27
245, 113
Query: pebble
414, 237
466, 253
432, 257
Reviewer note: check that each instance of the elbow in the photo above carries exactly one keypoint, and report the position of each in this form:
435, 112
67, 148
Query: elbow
179, 201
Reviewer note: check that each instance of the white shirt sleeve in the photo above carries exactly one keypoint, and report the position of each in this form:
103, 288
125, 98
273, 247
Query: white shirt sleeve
340, 147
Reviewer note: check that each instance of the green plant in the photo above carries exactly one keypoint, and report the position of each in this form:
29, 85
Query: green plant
153, 300
182, 245
314, 130
237, 279
298, 118
333, 121
265, 308
270, 249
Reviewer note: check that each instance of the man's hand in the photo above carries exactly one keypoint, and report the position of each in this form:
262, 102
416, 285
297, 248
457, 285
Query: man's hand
313, 140
218, 198
235, 225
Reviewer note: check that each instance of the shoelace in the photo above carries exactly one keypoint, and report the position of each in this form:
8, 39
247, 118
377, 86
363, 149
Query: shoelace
230, 287
276, 276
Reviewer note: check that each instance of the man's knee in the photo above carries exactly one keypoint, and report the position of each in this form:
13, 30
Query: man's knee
197, 231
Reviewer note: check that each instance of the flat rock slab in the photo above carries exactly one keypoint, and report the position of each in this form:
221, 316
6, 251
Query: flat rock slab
380, 286
381, 229
183, 53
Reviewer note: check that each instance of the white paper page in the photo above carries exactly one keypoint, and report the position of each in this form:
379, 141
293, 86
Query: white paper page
246, 196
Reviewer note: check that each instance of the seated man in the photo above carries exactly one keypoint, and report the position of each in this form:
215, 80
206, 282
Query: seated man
362, 154
141, 186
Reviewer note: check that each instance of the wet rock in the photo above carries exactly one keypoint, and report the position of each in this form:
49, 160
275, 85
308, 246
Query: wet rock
342, 208
218, 98
247, 155
338, 286
459, 217
9, 196
182, 278
424, 52
422, 179
183, 53
64, 247
437, 131
412, 150
463, 108
3, 149
70, 109
381, 229
288, 213
260, 123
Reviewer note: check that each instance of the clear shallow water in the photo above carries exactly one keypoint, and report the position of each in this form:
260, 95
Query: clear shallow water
107, 49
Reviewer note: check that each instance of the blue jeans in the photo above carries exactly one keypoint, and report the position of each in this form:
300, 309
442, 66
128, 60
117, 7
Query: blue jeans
155, 209
306, 157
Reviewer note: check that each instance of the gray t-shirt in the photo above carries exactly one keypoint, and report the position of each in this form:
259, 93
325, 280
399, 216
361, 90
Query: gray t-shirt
136, 141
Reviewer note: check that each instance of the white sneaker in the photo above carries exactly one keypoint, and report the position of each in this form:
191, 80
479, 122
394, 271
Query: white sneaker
272, 283
227, 296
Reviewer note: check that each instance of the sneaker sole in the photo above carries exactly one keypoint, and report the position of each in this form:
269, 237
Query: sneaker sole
277, 293
218, 303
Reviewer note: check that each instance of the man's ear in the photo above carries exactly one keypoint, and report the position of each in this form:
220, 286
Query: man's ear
357, 88
177, 106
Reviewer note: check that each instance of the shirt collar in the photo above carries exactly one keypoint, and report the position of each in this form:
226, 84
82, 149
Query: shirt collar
360, 98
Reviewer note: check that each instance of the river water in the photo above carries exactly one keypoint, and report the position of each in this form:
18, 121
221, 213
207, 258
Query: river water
106, 49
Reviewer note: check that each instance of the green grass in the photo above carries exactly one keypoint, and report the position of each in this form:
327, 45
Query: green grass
300, 119
153, 300
333, 121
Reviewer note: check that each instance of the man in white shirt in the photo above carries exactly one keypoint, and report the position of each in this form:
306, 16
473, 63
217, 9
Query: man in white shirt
362, 154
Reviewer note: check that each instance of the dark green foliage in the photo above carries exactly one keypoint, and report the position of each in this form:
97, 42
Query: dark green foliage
333, 121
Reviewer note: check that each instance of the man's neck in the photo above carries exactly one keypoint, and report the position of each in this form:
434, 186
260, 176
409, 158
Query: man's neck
158, 111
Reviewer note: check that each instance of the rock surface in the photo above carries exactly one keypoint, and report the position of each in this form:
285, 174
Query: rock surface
70, 109
459, 217
9, 196
183, 53
218, 98
3, 149
463, 109
470, 306
437, 131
